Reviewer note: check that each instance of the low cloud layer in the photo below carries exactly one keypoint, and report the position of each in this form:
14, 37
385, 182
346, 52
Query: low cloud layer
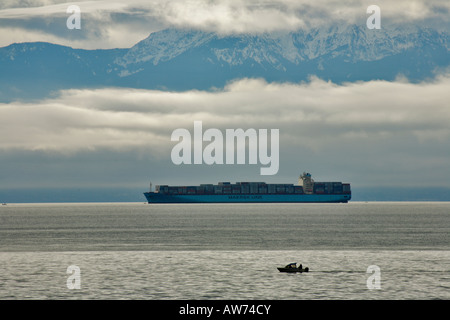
109, 24
396, 128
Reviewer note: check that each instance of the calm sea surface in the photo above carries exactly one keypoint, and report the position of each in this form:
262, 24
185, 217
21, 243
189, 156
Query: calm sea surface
141, 251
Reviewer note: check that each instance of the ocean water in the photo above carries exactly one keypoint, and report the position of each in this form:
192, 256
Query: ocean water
225, 251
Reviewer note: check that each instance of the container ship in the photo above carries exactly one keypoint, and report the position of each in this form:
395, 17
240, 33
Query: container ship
307, 191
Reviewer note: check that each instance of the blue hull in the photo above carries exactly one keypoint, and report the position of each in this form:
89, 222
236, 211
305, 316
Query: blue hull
155, 197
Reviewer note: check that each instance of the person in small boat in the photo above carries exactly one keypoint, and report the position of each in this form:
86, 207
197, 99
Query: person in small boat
300, 266
291, 265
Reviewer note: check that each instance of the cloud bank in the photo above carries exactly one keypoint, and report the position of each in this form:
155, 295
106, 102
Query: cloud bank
396, 128
110, 24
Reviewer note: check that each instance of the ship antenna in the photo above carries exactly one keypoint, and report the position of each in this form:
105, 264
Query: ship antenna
150, 186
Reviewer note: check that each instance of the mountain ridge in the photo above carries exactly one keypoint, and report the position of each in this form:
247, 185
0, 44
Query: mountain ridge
177, 59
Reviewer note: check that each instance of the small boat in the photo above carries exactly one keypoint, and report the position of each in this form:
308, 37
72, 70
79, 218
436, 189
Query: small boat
292, 267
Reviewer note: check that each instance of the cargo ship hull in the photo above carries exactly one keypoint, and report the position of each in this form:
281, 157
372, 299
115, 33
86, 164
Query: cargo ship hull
307, 191
155, 197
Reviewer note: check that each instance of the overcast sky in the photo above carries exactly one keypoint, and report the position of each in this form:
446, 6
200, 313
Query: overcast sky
112, 24
374, 133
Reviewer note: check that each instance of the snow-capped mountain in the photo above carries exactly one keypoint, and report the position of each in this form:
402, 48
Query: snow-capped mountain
353, 43
187, 59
